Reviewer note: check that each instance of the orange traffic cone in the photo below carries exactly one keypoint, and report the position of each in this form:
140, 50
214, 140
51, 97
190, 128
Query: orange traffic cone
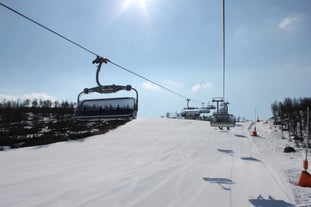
305, 177
254, 134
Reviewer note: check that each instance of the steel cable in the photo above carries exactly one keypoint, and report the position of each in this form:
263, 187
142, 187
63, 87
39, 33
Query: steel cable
96, 54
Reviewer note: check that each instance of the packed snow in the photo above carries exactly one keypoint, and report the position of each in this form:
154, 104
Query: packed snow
158, 162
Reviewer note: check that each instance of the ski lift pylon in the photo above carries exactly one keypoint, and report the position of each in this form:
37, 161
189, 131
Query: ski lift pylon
121, 108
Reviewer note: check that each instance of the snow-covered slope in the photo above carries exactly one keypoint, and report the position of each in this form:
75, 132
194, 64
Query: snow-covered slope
156, 162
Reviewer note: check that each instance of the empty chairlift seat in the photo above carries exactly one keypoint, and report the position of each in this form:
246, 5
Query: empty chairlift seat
124, 108
121, 108
190, 113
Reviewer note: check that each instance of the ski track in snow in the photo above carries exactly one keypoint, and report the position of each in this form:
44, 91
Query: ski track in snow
157, 162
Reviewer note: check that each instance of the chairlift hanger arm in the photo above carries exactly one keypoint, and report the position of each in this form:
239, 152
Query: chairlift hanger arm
99, 60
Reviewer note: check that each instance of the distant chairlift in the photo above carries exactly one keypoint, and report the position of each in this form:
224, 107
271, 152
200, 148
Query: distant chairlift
121, 108
207, 109
221, 118
190, 112
204, 111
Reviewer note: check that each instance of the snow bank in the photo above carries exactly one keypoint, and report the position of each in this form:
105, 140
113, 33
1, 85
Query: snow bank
271, 147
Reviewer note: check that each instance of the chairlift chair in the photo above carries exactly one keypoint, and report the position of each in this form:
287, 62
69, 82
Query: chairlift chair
221, 118
210, 106
206, 109
121, 108
190, 112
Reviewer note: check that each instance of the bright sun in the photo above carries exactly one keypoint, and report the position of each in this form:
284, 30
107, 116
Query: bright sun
139, 3
127, 4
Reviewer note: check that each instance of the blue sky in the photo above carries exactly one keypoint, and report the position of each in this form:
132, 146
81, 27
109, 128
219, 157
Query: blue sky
176, 43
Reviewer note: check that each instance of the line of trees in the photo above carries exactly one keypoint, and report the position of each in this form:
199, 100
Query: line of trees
28, 123
291, 115
21, 110
35, 103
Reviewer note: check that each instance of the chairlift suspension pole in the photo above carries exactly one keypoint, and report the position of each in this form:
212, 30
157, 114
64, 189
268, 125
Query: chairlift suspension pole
188, 102
99, 60
222, 118
223, 49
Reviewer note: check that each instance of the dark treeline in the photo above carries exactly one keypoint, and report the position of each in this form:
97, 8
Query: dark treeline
291, 115
37, 110
28, 123
35, 104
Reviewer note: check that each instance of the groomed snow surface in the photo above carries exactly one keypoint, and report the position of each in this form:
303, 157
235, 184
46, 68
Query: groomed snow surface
158, 162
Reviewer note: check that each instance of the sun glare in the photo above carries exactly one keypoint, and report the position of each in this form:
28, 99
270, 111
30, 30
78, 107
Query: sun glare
140, 3
132, 4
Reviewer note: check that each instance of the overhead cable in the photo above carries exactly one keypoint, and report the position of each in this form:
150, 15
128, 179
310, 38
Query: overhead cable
94, 53
163, 87
50, 30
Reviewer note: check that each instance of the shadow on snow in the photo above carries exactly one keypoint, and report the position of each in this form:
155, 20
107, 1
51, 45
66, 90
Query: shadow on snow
230, 152
270, 202
240, 136
250, 159
221, 182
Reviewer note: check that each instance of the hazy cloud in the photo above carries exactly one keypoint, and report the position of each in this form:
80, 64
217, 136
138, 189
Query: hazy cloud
290, 22
150, 86
197, 87
173, 84
31, 96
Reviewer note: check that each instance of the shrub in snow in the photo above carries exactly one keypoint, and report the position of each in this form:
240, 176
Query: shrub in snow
289, 149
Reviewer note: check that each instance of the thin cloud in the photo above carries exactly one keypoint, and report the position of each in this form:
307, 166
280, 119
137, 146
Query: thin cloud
31, 96
197, 87
4, 97
150, 86
290, 22
174, 84
206, 85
